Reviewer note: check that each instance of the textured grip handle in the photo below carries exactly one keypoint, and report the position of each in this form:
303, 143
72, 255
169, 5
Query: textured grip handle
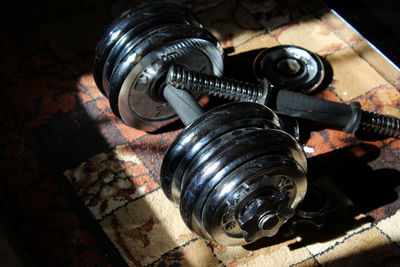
315, 109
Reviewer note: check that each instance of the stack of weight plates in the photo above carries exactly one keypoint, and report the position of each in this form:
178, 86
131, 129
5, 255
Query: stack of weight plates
231, 156
134, 54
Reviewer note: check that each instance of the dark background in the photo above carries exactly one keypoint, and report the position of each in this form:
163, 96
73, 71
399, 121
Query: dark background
377, 21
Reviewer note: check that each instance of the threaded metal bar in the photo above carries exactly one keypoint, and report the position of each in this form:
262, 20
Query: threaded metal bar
380, 124
182, 78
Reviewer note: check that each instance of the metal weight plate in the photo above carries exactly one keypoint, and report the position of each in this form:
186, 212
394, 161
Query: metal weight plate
200, 171
222, 156
125, 45
191, 151
138, 95
222, 209
129, 40
140, 102
211, 125
211, 164
157, 38
128, 20
275, 155
289, 67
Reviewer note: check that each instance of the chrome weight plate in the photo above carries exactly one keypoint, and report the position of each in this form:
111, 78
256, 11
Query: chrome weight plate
228, 215
225, 154
129, 40
210, 126
234, 146
139, 101
289, 67
127, 21
156, 38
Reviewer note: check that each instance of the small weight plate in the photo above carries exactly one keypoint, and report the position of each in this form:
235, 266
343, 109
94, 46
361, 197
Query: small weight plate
139, 75
289, 67
128, 20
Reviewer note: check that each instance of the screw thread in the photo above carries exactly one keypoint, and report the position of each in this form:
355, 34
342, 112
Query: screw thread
380, 124
182, 78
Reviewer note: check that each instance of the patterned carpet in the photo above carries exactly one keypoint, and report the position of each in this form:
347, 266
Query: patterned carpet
80, 188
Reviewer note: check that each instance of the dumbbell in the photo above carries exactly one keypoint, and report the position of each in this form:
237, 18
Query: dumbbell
235, 174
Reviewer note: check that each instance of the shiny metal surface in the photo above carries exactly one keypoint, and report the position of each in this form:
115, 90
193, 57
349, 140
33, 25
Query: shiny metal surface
158, 38
234, 173
137, 101
265, 177
232, 155
127, 21
129, 40
289, 67
212, 125
183, 78
215, 164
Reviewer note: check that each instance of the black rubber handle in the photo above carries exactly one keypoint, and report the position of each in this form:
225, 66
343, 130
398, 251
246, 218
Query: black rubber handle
298, 105
183, 103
